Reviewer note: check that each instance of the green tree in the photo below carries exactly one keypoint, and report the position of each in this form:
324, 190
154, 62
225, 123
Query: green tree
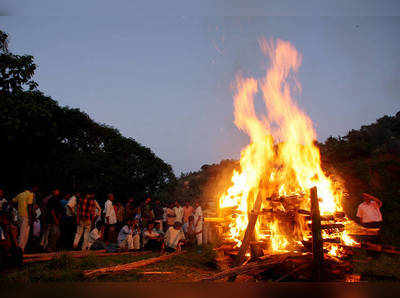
46, 144
16, 70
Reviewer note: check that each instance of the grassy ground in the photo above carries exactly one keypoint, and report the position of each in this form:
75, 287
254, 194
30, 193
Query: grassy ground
67, 269
187, 267
378, 267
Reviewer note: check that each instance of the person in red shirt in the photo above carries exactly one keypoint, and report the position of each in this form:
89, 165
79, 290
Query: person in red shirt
85, 214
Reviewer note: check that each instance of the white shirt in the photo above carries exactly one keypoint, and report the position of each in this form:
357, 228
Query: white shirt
198, 218
38, 213
173, 236
178, 213
369, 212
71, 204
110, 212
93, 236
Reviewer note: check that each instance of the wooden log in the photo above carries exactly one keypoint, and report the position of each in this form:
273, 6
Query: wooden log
249, 230
303, 212
334, 226
248, 268
256, 250
317, 247
47, 254
130, 266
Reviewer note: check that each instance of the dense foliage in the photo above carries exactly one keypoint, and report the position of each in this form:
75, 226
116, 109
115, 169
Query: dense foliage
368, 160
53, 146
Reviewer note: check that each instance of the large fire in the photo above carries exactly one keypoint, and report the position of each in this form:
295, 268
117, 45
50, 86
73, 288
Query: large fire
282, 159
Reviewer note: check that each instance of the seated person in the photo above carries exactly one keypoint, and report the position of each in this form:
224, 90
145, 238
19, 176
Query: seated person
152, 239
369, 211
96, 237
129, 236
174, 238
10, 252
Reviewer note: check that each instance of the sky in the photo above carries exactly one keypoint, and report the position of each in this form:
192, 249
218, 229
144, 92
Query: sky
162, 74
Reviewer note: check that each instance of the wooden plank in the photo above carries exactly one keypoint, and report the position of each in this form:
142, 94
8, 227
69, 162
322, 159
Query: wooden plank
249, 230
47, 254
248, 268
130, 266
317, 242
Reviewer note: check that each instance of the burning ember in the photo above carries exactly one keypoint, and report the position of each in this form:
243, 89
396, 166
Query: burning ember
280, 164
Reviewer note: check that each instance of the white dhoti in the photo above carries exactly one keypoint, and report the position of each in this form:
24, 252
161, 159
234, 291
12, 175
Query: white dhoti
23, 233
199, 233
130, 242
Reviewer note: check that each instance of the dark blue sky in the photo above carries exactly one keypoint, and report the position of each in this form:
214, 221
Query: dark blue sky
165, 80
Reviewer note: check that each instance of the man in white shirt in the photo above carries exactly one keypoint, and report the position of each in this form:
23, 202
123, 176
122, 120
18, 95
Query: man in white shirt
369, 211
110, 219
95, 238
71, 205
198, 223
178, 209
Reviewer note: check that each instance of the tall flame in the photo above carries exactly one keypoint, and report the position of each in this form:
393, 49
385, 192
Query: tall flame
282, 157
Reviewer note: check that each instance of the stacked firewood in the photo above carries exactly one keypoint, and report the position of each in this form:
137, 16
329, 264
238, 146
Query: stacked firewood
308, 262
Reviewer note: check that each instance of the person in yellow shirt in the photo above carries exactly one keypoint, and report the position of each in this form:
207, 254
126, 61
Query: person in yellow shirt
25, 201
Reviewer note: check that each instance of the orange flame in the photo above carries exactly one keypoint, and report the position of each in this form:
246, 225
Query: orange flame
282, 145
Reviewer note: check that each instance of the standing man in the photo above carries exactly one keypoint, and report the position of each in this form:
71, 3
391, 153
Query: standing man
120, 213
110, 218
369, 211
130, 209
158, 214
85, 214
54, 215
25, 213
97, 213
187, 211
198, 223
170, 216
178, 212
147, 212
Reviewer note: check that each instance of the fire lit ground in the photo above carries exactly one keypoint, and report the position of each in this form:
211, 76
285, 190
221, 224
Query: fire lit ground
280, 165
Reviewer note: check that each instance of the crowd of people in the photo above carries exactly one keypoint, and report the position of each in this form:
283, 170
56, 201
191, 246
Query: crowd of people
78, 221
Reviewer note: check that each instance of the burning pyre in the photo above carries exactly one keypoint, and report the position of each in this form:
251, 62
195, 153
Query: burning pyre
280, 164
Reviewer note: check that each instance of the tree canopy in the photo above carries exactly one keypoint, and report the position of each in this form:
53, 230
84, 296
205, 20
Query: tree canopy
54, 146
